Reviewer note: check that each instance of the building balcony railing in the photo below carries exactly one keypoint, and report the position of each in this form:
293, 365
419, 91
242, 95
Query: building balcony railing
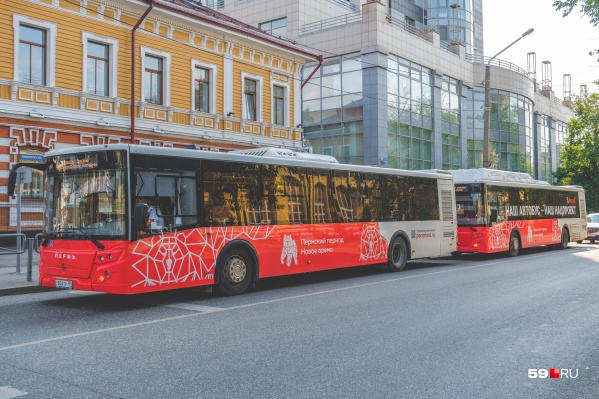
476, 59
334, 22
407, 27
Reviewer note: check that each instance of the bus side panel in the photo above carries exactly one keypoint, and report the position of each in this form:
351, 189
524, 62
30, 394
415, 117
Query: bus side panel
177, 260
540, 232
497, 238
424, 237
188, 258
307, 248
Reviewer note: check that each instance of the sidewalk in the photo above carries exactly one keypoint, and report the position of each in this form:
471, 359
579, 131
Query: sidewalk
13, 283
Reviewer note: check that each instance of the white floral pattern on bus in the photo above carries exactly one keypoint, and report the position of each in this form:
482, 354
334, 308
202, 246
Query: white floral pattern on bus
499, 235
557, 232
182, 256
373, 244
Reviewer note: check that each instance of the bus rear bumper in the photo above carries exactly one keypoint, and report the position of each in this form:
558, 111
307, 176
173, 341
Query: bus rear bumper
79, 284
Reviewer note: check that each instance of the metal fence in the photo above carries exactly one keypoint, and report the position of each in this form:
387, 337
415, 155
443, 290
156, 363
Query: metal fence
30, 215
16, 245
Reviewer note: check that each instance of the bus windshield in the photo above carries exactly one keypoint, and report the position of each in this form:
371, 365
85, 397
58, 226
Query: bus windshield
86, 204
470, 205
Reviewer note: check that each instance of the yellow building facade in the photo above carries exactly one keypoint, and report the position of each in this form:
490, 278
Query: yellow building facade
71, 69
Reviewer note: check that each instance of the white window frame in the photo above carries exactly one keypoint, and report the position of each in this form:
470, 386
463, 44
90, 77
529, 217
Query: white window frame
286, 101
259, 94
50, 29
113, 51
166, 73
213, 73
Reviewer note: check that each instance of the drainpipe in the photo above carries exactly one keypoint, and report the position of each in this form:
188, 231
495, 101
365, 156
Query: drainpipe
133, 68
320, 59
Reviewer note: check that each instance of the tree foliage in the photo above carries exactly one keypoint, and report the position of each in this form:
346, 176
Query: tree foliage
580, 156
590, 8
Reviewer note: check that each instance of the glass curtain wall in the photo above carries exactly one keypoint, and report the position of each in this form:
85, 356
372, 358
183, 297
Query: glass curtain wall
410, 123
450, 123
544, 134
333, 110
560, 139
453, 21
511, 130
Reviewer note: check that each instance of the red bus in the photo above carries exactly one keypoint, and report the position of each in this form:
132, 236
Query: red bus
501, 211
129, 219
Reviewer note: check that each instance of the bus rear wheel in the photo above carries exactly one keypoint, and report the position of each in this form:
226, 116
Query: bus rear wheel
514, 244
398, 255
565, 239
235, 272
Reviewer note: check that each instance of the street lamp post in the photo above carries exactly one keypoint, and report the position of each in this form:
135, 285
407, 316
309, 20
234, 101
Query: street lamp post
487, 131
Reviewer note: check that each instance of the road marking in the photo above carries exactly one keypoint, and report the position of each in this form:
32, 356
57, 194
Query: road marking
200, 313
185, 306
9, 393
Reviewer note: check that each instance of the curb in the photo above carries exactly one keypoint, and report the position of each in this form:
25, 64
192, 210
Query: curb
26, 289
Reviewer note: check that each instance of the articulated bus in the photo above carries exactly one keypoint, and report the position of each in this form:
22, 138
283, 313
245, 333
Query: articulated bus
227, 219
501, 211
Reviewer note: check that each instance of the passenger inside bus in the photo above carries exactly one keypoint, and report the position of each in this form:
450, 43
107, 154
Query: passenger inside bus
154, 219
218, 212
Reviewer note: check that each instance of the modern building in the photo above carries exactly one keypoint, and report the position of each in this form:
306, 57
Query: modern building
70, 71
402, 85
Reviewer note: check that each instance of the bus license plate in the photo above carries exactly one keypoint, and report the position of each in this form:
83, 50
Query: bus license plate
64, 284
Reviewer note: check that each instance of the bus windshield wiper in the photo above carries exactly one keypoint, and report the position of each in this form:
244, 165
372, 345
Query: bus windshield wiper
467, 225
80, 229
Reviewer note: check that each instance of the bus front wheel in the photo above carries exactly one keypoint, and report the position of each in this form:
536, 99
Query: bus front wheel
398, 255
514, 244
235, 272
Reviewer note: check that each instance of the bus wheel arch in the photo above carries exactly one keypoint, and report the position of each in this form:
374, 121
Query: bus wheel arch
399, 252
236, 268
515, 243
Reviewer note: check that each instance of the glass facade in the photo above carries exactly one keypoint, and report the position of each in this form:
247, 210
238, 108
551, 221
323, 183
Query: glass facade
332, 110
544, 136
410, 122
450, 123
431, 121
512, 146
560, 139
453, 20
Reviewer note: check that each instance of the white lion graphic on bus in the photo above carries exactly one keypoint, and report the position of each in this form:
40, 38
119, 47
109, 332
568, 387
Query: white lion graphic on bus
289, 251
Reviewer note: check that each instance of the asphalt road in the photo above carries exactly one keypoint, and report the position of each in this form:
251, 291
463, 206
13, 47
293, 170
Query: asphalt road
443, 328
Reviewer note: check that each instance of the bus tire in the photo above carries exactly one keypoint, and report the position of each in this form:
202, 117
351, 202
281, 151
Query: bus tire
456, 254
235, 272
514, 244
565, 239
398, 255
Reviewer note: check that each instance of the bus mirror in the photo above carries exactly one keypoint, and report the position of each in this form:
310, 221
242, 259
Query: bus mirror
12, 180
140, 216
493, 215
12, 176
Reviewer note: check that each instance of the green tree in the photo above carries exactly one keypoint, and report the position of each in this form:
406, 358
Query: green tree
580, 156
590, 8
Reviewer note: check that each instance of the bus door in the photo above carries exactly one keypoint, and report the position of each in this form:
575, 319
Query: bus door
448, 216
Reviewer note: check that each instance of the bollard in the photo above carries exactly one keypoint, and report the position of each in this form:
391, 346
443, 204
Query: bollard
30, 242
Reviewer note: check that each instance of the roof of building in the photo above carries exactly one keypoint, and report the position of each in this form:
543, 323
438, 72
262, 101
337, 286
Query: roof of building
195, 10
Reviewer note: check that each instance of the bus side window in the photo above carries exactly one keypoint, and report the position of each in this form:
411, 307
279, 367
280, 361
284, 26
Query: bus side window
344, 203
321, 212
